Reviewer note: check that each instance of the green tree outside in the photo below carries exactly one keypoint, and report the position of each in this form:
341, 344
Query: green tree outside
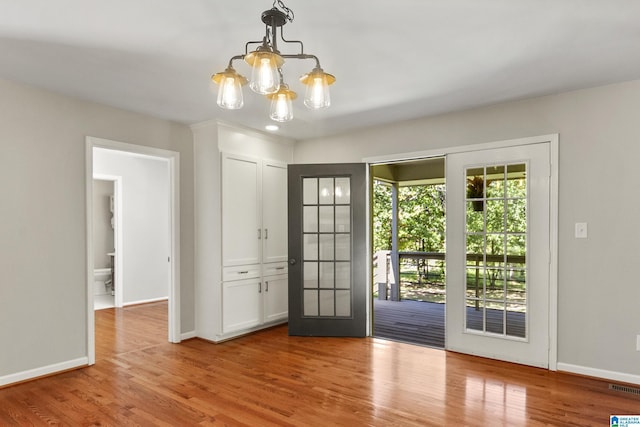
421, 226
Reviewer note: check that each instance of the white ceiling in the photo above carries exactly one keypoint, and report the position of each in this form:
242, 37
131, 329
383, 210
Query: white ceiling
392, 60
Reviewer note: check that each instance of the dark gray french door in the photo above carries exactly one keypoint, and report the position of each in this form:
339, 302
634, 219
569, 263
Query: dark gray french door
327, 250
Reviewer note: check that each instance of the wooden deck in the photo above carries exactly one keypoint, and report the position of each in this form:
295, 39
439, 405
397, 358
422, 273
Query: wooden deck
415, 322
423, 323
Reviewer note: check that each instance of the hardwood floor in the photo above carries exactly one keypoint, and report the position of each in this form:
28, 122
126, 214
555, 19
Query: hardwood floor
269, 378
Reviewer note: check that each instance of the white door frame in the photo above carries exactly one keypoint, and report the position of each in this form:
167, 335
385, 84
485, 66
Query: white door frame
553, 140
173, 159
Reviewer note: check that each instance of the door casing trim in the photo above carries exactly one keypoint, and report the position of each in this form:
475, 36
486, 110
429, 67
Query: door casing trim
173, 159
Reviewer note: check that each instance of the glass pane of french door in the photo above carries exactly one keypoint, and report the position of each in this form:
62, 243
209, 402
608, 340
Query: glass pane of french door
496, 246
327, 246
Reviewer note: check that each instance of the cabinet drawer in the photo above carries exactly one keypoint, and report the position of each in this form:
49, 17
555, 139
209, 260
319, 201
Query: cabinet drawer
274, 268
240, 272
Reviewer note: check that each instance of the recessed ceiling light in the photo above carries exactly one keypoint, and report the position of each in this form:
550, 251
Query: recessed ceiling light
271, 127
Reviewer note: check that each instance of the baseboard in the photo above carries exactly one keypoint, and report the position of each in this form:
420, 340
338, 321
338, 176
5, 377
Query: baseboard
43, 371
242, 332
599, 373
144, 301
187, 335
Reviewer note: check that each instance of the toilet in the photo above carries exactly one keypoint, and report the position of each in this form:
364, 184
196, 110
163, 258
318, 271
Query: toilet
102, 281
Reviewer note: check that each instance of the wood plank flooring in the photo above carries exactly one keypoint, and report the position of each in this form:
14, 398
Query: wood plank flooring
269, 378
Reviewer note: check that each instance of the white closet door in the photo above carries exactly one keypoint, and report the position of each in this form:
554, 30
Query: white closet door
241, 231
274, 211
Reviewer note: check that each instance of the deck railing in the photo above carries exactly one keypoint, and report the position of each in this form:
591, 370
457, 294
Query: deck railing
422, 274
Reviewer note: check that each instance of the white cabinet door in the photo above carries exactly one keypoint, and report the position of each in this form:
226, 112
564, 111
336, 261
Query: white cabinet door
241, 301
241, 213
254, 243
276, 304
274, 211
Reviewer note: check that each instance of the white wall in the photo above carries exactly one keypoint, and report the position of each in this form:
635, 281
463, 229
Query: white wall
145, 222
599, 128
102, 230
208, 240
43, 289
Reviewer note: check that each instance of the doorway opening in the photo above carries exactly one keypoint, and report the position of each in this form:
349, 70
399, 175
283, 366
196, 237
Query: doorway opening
105, 229
473, 248
408, 214
147, 260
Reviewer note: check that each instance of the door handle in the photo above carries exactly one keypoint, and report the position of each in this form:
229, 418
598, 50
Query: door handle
266, 233
266, 286
260, 287
292, 261
259, 233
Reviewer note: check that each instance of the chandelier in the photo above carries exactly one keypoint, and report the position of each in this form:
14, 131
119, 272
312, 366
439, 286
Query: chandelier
267, 79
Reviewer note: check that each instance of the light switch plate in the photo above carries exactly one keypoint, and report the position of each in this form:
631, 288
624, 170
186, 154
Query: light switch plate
581, 230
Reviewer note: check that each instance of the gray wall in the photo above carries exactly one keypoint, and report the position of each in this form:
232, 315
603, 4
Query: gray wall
599, 133
102, 230
145, 222
43, 290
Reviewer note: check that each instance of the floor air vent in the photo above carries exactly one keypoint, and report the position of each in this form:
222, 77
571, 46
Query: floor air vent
625, 389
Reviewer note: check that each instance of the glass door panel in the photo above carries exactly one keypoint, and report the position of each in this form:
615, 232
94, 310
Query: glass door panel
495, 249
330, 241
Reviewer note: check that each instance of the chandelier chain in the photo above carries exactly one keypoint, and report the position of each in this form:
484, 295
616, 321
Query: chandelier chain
288, 12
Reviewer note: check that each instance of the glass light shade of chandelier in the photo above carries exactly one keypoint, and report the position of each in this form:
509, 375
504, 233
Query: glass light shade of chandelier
281, 107
317, 94
229, 89
264, 74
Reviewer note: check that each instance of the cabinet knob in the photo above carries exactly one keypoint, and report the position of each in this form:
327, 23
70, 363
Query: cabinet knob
293, 261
